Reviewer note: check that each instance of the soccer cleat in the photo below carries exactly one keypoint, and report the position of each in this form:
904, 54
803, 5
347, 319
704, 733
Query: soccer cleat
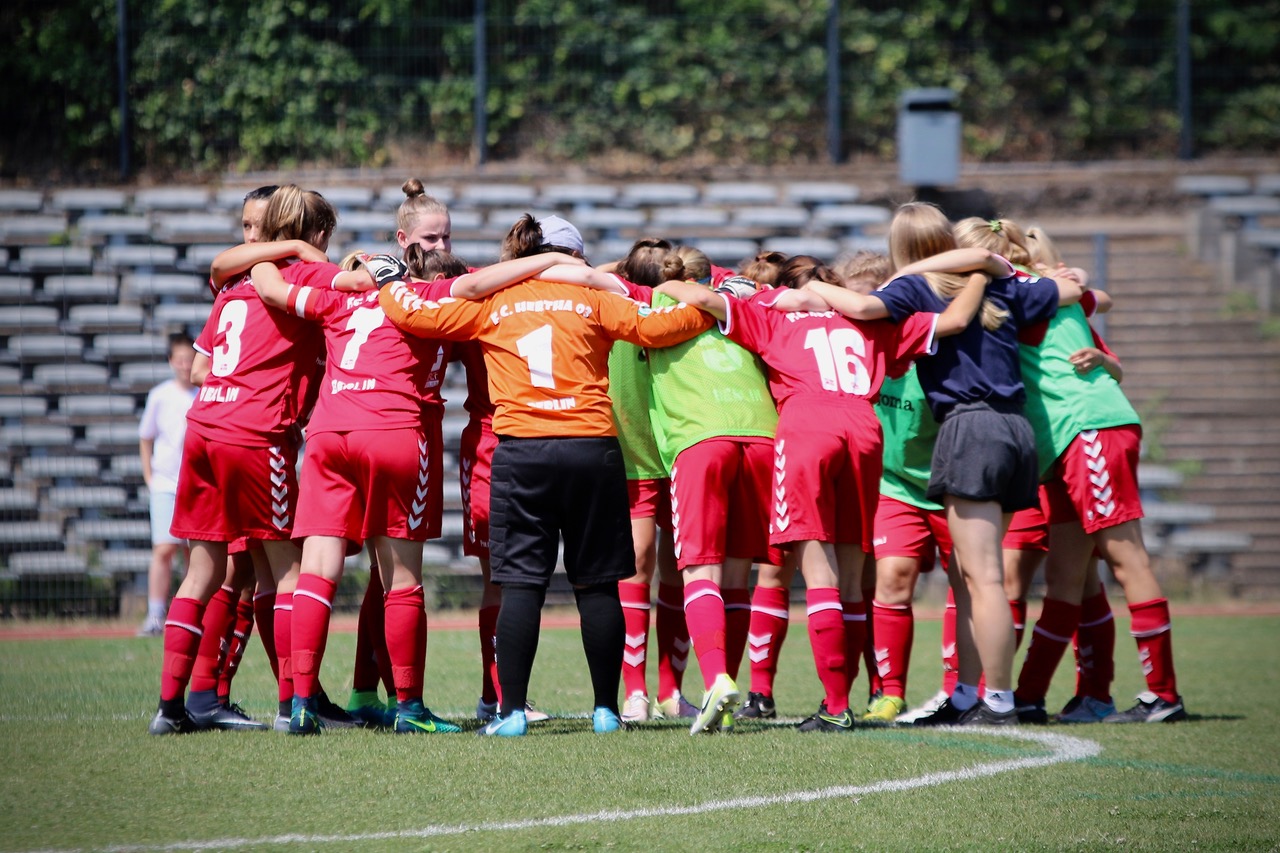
303, 718
333, 715
533, 715
981, 714
635, 709
945, 714
281, 723
884, 710
824, 721
514, 724
162, 725
928, 708
366, 707
757, 707
675, 707
228, 718
1086, 709
605, 720
413, 718
721, 698
726, 722
1150, 709
486, 711
1032, 713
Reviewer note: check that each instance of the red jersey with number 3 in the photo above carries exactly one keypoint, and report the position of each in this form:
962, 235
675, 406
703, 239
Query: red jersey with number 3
823, 353
376, 376
262, 363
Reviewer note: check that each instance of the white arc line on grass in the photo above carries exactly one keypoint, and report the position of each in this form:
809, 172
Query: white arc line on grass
1064, 749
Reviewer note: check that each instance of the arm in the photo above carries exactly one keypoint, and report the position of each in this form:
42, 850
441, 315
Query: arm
271, 286
482, 282
695, 295
146, 446
452, 319
963, 308
583, 276
1087, 359
799, 300
960, 260
200, 368
855, 306
240, 259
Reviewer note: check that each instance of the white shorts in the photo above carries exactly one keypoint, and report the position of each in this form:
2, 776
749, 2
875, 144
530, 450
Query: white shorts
162, 504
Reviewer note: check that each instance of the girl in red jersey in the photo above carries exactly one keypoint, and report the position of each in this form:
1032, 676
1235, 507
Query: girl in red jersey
372, 471
824, 371
240, 450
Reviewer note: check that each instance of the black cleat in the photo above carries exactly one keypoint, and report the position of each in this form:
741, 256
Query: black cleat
982, 715
757, 707
227, 718
162, 725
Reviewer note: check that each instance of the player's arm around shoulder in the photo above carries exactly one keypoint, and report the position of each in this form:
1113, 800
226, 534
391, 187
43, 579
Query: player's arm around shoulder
454, 319
646, 326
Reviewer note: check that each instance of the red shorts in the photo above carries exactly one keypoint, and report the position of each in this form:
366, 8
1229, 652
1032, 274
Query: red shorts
368, 483
1028, 530
227, 491
716, 480
905, 530
1095, 479
651, 499
826, 476
475, 460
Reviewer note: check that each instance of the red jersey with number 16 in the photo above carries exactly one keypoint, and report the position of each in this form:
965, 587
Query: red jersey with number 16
822, 353
262, 363
376, 376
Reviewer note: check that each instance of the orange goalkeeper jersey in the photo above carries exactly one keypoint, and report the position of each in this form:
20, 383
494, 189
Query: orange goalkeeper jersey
546, 346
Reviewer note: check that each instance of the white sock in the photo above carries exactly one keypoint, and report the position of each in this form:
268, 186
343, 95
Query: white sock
965, 696
156, 611
1000, 701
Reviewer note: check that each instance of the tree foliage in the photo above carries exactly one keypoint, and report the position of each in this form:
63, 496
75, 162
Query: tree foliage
348, 82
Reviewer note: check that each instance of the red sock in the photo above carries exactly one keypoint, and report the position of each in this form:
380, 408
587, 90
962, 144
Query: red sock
370, 631
1096, 648
854, 614
1019, 611
737, 622
282, 631
950, 659
1153, 631
894, 633
241, 631
874, 684
704, 611
219, 615
264, 616
181, 643
826, 637
406, 626
1049, 639
770, 618
488, 629
673, 639
312, 607
635, 614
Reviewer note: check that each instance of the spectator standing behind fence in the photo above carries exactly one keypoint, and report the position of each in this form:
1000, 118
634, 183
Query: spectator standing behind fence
160, 436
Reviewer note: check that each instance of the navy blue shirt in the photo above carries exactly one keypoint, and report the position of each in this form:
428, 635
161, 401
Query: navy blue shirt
975, 365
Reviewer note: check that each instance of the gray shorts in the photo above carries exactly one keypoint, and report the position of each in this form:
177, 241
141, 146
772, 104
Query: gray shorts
162, 504
986, 454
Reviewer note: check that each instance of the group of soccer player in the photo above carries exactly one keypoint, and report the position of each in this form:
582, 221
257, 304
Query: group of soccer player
659, 416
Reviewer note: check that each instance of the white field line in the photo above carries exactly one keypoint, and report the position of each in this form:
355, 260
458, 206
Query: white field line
1063, 749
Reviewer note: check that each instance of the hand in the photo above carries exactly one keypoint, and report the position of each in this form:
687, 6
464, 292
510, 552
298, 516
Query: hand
384, 268
1086, 359
738, 286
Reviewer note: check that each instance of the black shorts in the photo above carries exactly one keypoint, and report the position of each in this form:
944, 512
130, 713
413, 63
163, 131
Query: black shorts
986, 454
543, 489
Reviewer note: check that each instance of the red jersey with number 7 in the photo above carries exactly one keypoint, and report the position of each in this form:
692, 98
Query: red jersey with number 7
376, 376
263, 362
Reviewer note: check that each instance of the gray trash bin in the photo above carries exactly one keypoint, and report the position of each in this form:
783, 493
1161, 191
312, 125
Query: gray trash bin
928, 138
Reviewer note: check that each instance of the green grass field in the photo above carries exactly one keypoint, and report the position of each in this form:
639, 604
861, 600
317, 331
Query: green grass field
80, 772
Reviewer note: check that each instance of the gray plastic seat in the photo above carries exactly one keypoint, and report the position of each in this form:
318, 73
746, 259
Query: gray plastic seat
60, 467
114, 228
739, 192
79, 407
823, 250
23, 407
17, 289
110, 436
818, 193
80, 288
497, 195
21, 201
662, 219
776, 216
86, 497
92, 319
181, 314
88, 200
345, 198
578, 195
34, 319
658, 194
70, 377
196, 227
134, 256
54, 259
140, 376
151, 287
31, 230
108, 530
48, 564
36, 435
1212, 185
727, 252
171, 198
28, 349
128, 347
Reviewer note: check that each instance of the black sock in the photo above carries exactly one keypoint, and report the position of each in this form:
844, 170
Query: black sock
202, 701
603, 635
519, 623
173, 708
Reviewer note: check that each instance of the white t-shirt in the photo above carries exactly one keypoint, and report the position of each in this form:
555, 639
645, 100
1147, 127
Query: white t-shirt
164, 421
